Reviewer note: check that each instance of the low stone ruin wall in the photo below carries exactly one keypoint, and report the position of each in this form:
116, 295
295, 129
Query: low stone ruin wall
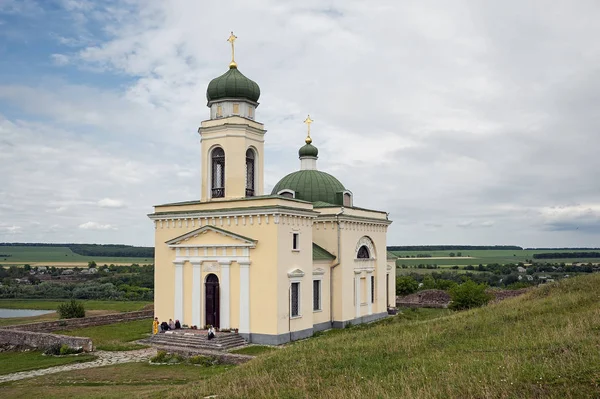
69, 324
42, 340
224, 357
424, 299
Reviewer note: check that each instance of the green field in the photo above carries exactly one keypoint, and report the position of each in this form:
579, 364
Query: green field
41, 304
38, 255
115, 337
13, 362
131, 380
483, 256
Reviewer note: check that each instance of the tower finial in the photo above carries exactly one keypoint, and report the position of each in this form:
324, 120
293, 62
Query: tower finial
308, 121
231, 39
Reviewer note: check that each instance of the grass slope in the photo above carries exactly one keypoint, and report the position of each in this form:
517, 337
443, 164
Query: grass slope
115, 337
541, 345
13, 362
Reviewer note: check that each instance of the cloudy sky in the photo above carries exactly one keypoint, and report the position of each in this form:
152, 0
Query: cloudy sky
470, 122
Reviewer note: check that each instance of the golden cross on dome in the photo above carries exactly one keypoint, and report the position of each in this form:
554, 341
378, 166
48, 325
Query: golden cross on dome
308, 121
231, 39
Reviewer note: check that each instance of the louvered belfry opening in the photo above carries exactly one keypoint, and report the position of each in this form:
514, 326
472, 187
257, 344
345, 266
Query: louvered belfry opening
218, 173
250, 170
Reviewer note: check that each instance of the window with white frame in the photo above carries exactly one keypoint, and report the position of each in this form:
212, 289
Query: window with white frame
295, 241
316, 294
295, 299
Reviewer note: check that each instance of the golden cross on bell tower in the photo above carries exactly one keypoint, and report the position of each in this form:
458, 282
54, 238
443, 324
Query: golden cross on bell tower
308, 121
231, 39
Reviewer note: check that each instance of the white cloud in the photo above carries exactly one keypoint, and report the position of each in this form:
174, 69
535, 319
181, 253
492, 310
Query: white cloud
59, 59
110, 203
96, 226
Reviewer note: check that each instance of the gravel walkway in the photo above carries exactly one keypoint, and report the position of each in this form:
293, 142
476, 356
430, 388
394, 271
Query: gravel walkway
104, 359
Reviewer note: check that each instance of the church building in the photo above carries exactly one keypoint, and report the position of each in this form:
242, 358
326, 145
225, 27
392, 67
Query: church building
276, 267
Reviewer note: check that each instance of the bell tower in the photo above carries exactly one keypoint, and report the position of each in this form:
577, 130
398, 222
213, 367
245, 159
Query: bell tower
232, 140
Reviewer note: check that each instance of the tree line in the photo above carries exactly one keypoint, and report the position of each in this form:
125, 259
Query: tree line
566, 255
450, 247
113, 250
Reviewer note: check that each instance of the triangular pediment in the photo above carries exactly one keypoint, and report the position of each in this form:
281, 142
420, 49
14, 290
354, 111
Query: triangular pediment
210, 236
295, 273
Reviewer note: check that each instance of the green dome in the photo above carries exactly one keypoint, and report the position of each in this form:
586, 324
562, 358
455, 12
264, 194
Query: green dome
312, 186
232, 84
308, 150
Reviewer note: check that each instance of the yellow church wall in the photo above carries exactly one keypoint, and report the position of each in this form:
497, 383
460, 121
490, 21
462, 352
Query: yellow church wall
323, 315
263, 306
288, 261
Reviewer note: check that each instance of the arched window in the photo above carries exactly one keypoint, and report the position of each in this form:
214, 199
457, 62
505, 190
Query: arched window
218, 173
363, 253
250, 168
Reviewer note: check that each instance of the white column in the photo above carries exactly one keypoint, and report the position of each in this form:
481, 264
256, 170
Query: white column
178, 310
369, 292
244, 297
196, 294
224, 288
358, 293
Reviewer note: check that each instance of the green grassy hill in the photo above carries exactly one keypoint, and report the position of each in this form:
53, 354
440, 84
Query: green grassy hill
544, 344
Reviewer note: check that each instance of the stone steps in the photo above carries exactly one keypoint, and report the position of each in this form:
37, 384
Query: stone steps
221, 342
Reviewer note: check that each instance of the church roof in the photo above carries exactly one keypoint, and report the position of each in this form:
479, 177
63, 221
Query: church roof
232, 84
308, 150
320, 253
312, 186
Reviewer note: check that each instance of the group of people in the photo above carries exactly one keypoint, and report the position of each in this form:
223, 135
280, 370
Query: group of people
158, 327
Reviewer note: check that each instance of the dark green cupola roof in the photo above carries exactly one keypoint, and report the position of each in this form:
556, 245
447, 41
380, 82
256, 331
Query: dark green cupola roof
312, 186
232, 84
308, 150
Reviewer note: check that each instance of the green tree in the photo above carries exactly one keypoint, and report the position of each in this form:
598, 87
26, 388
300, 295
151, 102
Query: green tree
468, 295
71, 310
91, 265
406, 285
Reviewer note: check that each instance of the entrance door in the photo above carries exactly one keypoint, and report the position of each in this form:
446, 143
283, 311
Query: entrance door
211, 288
387, 290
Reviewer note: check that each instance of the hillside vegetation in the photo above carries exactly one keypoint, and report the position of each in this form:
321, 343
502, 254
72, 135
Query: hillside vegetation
544, 344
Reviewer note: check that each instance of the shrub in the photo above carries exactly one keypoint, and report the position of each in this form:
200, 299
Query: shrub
164, 357
70, 310
406, 285
53, 349
203, 361
468, 295
67, 350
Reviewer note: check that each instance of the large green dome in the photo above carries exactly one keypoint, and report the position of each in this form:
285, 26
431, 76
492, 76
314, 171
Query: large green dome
312, 186
232, 84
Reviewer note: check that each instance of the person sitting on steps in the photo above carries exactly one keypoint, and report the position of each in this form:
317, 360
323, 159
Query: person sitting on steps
177, 324
171, 324
211, 332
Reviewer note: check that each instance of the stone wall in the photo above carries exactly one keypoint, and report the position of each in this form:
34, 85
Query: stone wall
424, 299
42, 340
70, 324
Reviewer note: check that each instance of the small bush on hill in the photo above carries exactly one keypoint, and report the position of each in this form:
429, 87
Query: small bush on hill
406, 285
468, 295
71, 310
53, 350
67, 350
